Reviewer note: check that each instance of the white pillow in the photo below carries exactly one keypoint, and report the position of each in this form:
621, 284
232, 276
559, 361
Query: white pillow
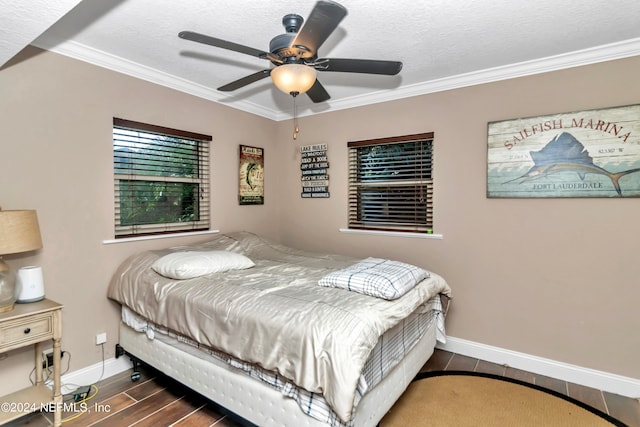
186, 265
376, 277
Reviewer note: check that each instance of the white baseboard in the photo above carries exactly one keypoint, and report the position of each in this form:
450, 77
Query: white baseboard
612, 383
600, 380
94, 373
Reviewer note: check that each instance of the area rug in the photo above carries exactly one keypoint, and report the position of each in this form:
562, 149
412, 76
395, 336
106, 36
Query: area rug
453, 398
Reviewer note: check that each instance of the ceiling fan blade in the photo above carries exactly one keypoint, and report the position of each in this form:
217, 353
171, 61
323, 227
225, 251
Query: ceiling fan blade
212, 41
245, 81
318, 93
367, 66
323, 19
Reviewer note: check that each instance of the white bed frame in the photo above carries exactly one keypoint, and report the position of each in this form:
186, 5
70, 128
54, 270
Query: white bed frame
254, 400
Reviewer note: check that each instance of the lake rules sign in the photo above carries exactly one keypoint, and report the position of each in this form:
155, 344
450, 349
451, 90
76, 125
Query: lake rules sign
314, 167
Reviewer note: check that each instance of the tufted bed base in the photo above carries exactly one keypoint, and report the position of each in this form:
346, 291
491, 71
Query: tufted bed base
255, 401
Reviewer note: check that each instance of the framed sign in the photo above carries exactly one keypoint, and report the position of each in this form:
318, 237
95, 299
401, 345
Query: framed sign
594, 153
314, 165
251, 191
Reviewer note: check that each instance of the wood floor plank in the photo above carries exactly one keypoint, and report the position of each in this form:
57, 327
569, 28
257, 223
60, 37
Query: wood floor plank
551, 383
98, 411
625, 409
204, 416
590, 396
490, 368
438, 361
144, 389
139, 410
173, 412
462, 363
520, 375
122, 381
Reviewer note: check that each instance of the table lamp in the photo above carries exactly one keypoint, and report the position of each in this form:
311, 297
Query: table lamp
19, 232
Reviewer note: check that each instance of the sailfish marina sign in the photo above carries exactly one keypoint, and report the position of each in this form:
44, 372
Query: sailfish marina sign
593, 153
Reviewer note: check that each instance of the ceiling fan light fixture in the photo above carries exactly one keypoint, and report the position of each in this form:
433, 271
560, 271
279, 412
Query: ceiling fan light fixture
292, 78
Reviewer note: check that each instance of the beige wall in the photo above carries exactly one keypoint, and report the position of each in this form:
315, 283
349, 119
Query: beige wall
552, 278
56, 156
555, 278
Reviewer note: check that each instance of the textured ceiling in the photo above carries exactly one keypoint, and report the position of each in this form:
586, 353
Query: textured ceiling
443, 44
22, 21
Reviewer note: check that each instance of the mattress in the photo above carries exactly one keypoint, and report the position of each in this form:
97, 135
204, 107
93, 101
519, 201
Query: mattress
257, 402
392, 347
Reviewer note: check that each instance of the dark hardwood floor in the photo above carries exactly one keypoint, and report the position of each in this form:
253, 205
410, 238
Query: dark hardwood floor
156, 401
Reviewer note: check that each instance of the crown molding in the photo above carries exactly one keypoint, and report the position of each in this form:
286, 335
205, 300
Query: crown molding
115, 63
609, 52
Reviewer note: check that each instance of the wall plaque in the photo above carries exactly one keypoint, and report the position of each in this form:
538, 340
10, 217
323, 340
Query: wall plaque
594, 153
251, 191
314, 166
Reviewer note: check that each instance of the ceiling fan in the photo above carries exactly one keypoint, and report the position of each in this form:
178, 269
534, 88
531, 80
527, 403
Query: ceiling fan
294, 54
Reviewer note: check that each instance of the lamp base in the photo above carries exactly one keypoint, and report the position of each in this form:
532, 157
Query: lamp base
7, 287
7, 308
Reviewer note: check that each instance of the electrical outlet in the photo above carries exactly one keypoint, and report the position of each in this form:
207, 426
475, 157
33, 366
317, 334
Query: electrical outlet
47, 358
101, 338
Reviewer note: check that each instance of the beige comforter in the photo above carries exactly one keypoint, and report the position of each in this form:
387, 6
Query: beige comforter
273, 314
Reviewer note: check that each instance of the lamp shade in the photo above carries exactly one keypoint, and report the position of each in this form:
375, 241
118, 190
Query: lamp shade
19, 231
293, 78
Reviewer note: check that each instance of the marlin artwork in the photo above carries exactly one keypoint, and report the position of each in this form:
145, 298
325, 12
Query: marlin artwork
564, 153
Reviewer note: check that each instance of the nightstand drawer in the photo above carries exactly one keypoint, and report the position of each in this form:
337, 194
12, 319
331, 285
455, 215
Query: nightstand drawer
21, 332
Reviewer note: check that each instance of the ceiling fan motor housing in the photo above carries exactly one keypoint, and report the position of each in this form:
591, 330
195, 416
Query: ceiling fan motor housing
281, 45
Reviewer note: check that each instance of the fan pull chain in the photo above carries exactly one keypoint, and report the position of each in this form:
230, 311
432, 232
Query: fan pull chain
296, 129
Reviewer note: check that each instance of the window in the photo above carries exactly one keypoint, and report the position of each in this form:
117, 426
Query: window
161, 179
391, 184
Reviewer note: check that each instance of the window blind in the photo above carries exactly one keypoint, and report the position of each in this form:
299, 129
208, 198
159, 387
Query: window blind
161, 179
391, 183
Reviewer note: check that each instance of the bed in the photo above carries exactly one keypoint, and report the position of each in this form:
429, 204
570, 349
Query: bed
280, 336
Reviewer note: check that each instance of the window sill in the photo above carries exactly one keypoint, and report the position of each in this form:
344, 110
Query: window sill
158, 236
392, 233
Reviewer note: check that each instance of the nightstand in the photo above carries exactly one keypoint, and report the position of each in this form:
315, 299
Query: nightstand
32, 324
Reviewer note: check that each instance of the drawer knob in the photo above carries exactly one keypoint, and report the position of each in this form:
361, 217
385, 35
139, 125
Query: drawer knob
27, 330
